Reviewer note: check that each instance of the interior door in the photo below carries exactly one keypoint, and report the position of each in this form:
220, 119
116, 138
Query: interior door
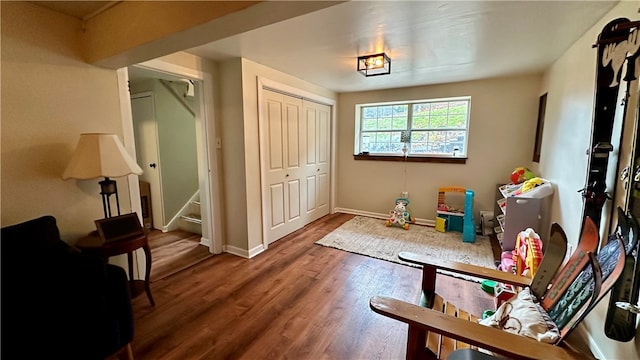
146, 136
284, 188
316, 141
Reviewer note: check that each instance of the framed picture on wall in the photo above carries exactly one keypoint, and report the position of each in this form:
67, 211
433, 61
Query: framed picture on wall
542, 105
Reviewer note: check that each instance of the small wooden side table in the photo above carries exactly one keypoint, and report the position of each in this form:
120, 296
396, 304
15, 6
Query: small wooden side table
93, 244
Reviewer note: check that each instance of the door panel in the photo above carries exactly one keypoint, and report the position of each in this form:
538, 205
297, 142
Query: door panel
275, 140
277, 205
294, 200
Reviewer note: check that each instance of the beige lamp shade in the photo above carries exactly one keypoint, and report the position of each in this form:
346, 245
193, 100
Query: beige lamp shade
100, 155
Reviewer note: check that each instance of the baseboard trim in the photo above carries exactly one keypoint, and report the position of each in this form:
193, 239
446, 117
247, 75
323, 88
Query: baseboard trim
419, 221
204, 241
583, 333
247, 254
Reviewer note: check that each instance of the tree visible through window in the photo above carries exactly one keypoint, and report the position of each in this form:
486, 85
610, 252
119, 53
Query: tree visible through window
423, 128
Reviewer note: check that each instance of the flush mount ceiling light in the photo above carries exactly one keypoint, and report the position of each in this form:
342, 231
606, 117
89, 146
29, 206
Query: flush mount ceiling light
373, 65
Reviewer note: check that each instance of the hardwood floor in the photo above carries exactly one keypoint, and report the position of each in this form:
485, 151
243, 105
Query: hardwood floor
174, 251
297, 300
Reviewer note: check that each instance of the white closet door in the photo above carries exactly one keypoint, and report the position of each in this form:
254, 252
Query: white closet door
284, 186
316, 139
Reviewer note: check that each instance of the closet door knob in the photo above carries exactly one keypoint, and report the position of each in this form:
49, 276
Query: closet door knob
152, 165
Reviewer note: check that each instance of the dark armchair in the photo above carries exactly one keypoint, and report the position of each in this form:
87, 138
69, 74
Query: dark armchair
58, 303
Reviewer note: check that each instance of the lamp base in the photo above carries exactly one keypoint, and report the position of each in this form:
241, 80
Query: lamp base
108, 187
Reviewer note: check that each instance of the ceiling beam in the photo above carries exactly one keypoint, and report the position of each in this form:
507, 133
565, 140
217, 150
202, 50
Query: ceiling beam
132, 32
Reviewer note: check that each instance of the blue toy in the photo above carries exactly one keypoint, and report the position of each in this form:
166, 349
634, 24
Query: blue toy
401, 215
457, 219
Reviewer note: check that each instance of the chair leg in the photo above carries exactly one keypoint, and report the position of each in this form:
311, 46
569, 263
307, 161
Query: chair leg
416, 344
428, 285
126, 353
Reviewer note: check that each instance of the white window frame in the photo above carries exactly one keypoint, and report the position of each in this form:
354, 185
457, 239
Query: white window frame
460, 153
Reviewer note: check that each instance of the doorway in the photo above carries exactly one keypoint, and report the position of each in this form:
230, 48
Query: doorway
203, 113
164, 125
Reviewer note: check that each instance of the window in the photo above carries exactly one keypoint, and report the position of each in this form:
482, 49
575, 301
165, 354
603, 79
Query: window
427, 128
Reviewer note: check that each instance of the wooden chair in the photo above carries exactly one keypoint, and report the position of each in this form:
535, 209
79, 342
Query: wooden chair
437, 328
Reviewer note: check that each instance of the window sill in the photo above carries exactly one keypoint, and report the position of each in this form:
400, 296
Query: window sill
427, 159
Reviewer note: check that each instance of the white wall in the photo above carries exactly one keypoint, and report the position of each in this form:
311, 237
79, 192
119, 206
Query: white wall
501, 137
49, 97
570, 85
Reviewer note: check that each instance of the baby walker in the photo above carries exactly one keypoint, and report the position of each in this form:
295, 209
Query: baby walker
400, 215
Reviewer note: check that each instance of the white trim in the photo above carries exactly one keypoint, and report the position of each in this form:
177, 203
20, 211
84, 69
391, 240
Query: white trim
247, 254
280, 87
165, 67
268, 84
128, 140
583, 333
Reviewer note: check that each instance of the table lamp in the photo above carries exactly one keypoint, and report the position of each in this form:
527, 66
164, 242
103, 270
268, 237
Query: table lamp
101, 155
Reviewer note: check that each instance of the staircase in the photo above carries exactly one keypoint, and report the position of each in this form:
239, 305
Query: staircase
190, 220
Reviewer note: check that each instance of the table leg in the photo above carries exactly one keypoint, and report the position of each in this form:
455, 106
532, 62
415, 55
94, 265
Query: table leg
130, 261
147, 287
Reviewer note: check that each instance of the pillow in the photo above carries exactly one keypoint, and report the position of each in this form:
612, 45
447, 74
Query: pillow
523, 315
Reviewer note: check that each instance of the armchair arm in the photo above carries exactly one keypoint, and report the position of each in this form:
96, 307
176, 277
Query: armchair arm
498, 341
466, 269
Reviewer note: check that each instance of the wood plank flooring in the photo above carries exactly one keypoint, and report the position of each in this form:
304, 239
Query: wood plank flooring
174, 251
297, 300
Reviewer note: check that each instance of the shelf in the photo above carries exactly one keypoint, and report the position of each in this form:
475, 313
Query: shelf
538, 192
526, 210
502, 204
500, 219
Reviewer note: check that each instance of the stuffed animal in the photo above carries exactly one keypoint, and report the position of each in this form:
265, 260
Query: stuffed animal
400, 215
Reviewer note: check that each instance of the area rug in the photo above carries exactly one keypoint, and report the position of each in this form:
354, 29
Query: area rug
369, 236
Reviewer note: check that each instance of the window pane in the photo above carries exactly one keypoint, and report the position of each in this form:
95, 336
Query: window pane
400, 111
457, 121
456, 140
395, 136
458, 107
384, 124
439, 108
385, 111
369, 124
436, 141
399, 123
438, 122
383, 137
369, 112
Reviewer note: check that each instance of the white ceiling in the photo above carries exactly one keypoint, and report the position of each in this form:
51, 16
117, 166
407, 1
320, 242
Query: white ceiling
429, 42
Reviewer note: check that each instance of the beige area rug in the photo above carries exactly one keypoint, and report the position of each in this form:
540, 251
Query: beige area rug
370, 237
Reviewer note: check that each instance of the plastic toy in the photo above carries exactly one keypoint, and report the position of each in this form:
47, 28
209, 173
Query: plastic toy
520, 175
528, 253
401, 215
456, 219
